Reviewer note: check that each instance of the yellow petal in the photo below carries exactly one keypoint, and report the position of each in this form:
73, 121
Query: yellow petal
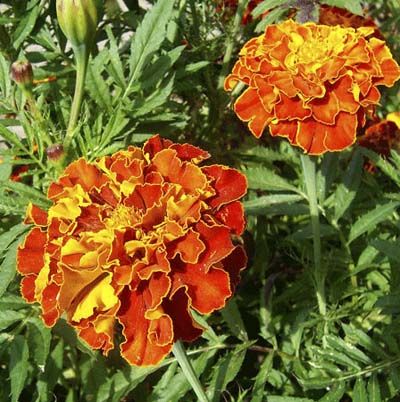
101, 297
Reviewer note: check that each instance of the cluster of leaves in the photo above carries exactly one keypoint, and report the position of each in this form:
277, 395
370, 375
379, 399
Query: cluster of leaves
162, 71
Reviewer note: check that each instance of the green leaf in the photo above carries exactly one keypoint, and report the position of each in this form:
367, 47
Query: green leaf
122, 382
272, 17
267, 5
261, 178
347, 190
41, 336
148, 38
355, 6
374, 391
27, 23
27, 193
156, 99
347, 348
19, 354
335, 394
163, 384
359, 392
261, 379
52, 373
5, 84
389, 248
225, 371
115, 60
99, 90
233, 318
371, 219
12, 138
179, 385
359, 337
274, 398
10, 317
8, 267
326, 174
259, 204
157, 71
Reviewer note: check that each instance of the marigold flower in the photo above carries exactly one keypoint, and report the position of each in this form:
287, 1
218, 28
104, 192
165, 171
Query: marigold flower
330, 15
381, 136
311, 83
138, 239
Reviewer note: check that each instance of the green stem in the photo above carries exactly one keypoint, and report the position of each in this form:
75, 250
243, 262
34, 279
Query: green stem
308, 165
230, 44
180, 355
81, 57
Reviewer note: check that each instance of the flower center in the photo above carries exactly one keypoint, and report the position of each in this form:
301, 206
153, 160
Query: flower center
120, 217
314, 52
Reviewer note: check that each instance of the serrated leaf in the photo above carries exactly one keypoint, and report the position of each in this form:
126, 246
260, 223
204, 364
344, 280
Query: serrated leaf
261, 379
347, 190
12, 138
5, 86
8, 267
156, 99
52, 373
10, 317
360, 392
347, 348
374, 391
163, 384
390, 248
41, 338
335, 394
272, 17
371, 219
225, 371
275, 398
259, 204
233, 318
19, 354
261, 178
266, 5
96, 84
355, 6
27, 23
148, 38
359, 337
157, 71
27, 193
179, 385
115, 59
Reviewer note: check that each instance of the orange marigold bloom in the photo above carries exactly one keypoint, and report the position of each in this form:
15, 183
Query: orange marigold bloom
330, 15
138, 239
311, 83
381, 137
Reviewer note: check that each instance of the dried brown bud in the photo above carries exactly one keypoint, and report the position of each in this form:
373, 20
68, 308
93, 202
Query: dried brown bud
22, 73
55, 152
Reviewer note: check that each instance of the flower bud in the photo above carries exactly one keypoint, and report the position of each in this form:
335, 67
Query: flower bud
78, 20
55, 152
22, 74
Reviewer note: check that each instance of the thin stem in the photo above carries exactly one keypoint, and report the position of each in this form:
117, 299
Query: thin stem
308, 165
81, 57
230, 43
180, 355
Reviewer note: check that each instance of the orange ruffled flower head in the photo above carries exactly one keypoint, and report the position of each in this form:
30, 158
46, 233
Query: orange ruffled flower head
311, 83
138, 239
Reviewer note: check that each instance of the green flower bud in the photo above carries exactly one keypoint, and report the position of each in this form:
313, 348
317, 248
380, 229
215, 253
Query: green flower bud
22, 74
78, 20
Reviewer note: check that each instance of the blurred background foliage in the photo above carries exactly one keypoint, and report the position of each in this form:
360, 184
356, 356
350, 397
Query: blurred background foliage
158, 67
